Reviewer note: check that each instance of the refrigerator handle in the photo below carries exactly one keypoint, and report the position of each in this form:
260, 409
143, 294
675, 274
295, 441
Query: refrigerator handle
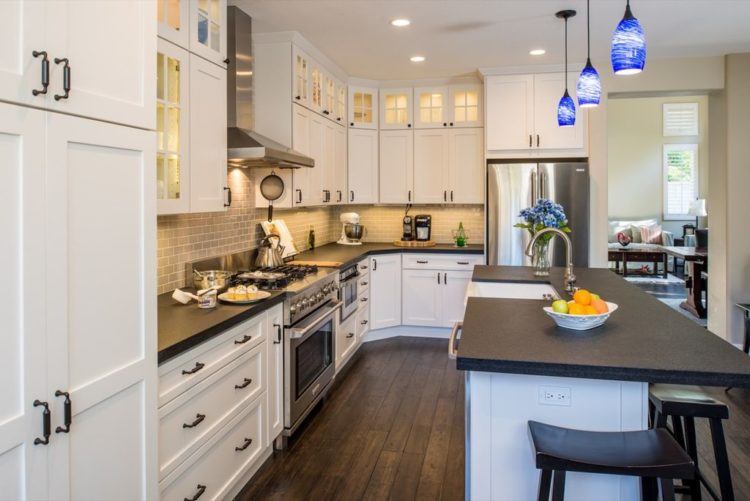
533, 188
543, 184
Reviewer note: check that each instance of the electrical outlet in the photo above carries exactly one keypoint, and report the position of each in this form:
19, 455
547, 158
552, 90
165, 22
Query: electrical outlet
554, 395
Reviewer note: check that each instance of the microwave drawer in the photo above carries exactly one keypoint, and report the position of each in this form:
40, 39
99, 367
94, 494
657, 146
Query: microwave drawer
448, 262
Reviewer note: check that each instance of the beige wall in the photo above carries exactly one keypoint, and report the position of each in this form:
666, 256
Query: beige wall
635, 153
718, 309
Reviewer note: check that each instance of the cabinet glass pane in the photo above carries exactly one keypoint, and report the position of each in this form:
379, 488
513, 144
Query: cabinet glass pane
465, 106
203, 5
390, 116
395, 109
173, 129
401, 116
390, 102
159, 76
160, 11
358, 99
215, 10
459, 114
173, 179
173, 80
215, 36
368, 101
430, 107
173, 14
472, 99
401, 102
436, 115
472, 114
202, 29
160, 125
161, 177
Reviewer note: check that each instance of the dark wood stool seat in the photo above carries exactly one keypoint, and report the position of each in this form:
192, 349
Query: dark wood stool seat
649, 454
682, 405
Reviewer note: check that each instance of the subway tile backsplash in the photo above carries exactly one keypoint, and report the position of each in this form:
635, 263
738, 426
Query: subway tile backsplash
186, 237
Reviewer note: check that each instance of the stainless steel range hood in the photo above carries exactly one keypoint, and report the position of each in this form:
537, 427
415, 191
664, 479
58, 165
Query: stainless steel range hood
246, 148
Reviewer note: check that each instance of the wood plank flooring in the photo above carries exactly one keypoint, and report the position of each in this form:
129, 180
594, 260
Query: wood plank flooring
393, 428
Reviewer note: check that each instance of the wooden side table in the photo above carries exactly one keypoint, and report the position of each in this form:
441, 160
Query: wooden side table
746, 312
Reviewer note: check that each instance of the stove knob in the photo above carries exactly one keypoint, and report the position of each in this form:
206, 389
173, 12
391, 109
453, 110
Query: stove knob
304, 302
319, 296
293, 308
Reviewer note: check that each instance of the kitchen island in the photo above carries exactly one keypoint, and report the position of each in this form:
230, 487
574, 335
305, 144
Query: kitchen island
520, 366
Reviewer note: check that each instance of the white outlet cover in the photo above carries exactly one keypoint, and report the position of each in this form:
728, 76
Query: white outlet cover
554, 395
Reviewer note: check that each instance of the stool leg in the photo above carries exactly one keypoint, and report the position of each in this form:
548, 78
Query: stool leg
692, 450
679, 436
545, 484
667, 489
649, 489
722, 460
558, 486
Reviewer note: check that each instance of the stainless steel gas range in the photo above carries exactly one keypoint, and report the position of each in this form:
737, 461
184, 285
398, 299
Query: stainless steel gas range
310, 318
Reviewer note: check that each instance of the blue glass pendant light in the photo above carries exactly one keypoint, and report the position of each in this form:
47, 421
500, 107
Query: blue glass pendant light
628, 45
566, 110
589, 89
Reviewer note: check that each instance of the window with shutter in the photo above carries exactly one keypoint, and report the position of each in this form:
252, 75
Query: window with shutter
680, 179
680, 119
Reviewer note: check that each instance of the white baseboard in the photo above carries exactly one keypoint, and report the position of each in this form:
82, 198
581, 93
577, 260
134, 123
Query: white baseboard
407, 330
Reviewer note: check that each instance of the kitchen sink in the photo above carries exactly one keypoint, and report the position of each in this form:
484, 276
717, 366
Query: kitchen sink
511, 290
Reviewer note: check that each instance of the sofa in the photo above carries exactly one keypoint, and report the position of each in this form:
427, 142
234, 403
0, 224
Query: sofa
632, 227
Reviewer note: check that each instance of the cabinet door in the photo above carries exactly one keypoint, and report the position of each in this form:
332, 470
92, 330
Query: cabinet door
385, 291
341, 97
396, 166
453, 292
101, 338
23, 474
431, 166
363, 108
208, 136
316, 87
208, 30
363, 320
466, 166
172, 114
338, 190
510, 112
316, 175
422, 292
396, 110
22, 31
301, 143
363, 166
173, 18
329, 96
275, 372
329, 163
548, 89
466, 105
301, 86
346, 341
286, 201
431, 108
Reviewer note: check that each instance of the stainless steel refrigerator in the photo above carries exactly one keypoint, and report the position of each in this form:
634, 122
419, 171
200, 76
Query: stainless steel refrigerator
515, 185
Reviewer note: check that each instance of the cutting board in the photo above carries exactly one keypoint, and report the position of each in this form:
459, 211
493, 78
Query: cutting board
323, 264
279, 227
415, 243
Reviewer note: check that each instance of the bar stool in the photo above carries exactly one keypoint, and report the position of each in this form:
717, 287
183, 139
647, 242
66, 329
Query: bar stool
651, 454
683, 404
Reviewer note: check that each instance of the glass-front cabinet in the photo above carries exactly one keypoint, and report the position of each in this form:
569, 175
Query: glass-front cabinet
172, 94
363, 107
329, 95
466, 105
396, 108
208, 30
173, 22
301, 68
316, 87
431, 107
341, 103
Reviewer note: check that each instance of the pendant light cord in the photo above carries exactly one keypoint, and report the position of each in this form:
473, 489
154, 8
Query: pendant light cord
566, 54
588, 30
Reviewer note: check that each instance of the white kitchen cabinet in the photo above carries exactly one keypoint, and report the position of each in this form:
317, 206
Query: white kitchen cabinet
338, 188
23, 367
385, 291
286, 201
329, 163
329, 96
362, 167
453, 295
301, 143
431, 108
208, 30
431, 164
363, 317
173, 20
301, 69
22, 32
396, 108
522, 116
172, 129
466, 171
341, 98
422, 294
208, 137
275, 372
316, 175
465, 105
396, 166
363, 107
316, 87
100, 347
346, 341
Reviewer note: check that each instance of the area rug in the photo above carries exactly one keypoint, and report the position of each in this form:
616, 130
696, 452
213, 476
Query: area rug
671, 279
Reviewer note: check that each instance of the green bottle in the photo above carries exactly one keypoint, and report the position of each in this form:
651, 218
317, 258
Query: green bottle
311, 238
460, 235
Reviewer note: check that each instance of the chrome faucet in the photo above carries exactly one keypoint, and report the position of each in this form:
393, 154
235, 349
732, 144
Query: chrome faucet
570, 278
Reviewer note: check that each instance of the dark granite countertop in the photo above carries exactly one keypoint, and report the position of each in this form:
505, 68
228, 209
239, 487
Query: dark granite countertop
644, 340
182, 327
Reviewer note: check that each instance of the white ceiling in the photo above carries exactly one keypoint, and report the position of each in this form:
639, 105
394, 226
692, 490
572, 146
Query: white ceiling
459, 36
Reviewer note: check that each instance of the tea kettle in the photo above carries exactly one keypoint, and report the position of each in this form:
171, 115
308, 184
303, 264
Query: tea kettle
270, 256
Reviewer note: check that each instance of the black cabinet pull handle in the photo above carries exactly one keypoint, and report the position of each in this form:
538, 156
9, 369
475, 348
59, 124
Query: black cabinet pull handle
46, 423
226, 61
278, 333
68, 414
408, 125
422, 261
351, 195
45, 72
451, 195
340, 195
351, 124
199, 493
445, 195
297, 97
198, 420
299, 198
364, 283
198, 366
445, 124
438, 278
462, 262
350, 335
245, 445
229, 196
326, 112
364, 299
537, 140
338, 118
363, 267
445, 279
246, 382
409, 195
374, 264
364, 322
451, 124
244, 339
66, 78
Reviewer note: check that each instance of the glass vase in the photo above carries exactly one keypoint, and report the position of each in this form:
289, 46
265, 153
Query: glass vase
540, 260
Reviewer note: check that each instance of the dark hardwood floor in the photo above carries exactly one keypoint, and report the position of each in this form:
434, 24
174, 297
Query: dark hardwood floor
393, 428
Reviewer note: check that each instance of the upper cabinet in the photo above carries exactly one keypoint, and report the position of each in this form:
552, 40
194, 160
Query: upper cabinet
301, 74
316, 87
363, 166
341, 98
451, 106
465, 105
208, 30
396, 108
363, 107
431, 107
522, 116
329, 96
173, 17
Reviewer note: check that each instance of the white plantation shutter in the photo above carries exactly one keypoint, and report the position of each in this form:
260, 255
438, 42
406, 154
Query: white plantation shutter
680, 119
680, 179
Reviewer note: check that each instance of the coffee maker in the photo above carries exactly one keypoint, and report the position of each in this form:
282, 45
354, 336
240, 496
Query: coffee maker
423, 227
408, 233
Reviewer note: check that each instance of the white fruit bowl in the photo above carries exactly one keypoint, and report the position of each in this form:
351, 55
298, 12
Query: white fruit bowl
580, 322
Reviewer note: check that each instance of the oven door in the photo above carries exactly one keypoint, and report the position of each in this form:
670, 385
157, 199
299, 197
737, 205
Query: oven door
348, 296
309, 367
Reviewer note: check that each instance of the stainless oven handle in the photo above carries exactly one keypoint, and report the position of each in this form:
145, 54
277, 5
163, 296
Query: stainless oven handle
300, 333
452, 351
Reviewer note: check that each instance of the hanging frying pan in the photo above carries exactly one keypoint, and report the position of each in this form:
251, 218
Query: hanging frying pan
271, 187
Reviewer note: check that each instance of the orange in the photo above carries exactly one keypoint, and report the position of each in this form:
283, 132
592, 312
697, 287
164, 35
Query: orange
600, 306
589, 310
582, 297
576, 309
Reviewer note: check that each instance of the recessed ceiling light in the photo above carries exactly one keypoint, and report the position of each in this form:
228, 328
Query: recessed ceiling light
537, 52
417, 59
400, 23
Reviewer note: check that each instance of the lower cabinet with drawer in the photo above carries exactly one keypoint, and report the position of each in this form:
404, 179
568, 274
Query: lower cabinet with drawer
346, 341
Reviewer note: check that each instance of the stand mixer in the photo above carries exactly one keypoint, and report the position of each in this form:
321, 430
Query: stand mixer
351, 231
